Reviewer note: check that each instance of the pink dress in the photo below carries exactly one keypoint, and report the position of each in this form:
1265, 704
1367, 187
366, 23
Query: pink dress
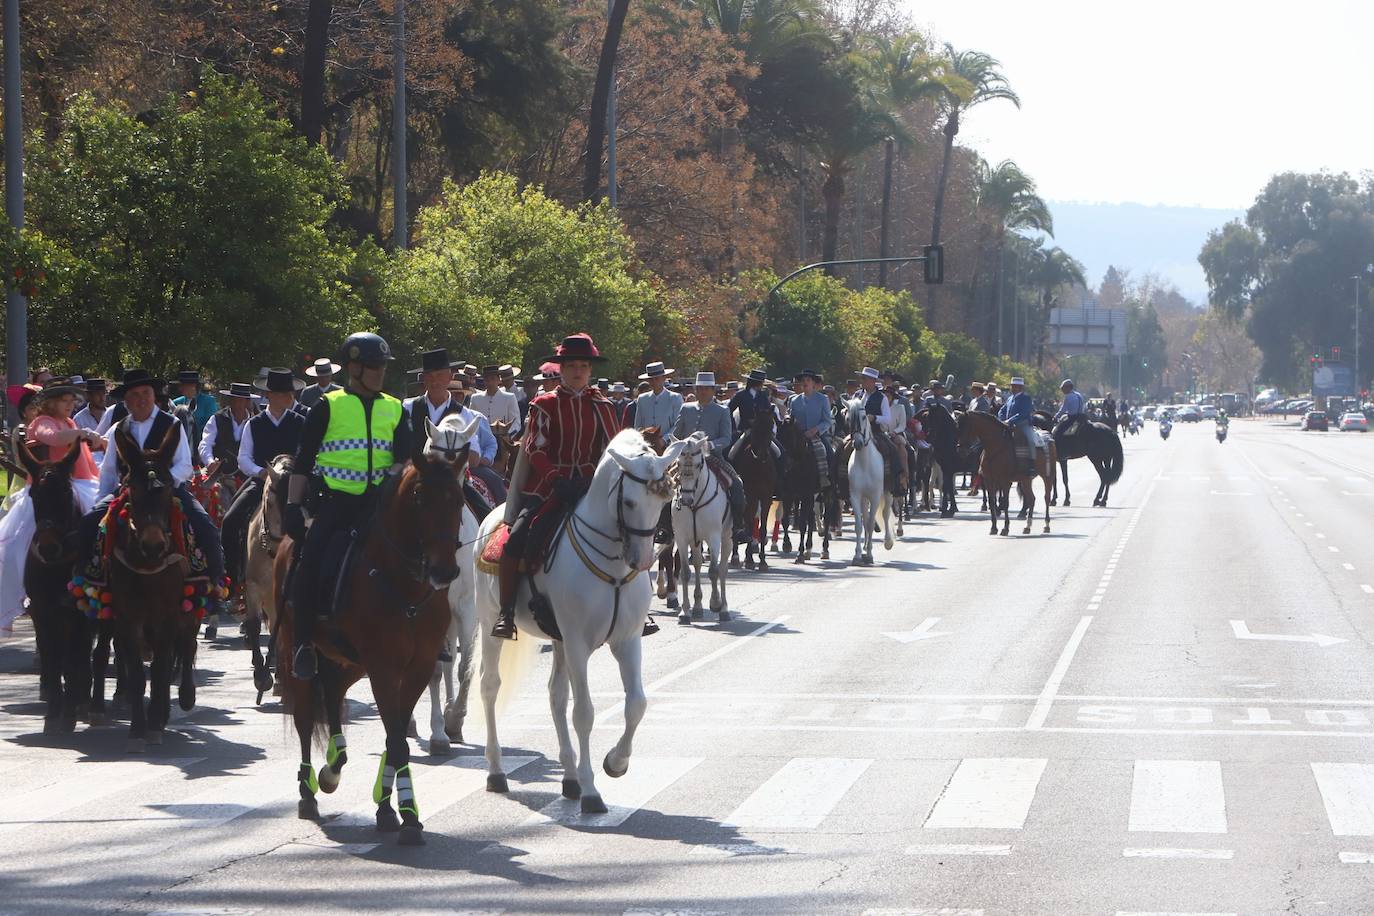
44, 430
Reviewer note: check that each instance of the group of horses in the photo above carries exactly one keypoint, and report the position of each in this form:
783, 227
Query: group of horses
415, 602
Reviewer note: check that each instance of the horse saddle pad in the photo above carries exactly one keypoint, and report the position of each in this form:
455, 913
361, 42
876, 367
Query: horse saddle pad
1022, 449
543, 527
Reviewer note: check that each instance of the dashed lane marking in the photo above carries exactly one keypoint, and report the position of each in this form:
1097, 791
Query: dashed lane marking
1175, 852
959, 849
1349, 567
1357, 858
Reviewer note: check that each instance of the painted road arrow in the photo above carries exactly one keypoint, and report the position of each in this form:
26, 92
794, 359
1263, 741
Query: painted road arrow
922, 631
1243, 632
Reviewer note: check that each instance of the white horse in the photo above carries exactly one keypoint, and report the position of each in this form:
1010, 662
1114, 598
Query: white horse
867, 493
450, 441
701, 515
595, 578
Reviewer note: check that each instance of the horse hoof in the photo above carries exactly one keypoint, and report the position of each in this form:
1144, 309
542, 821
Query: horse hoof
277, 689
684, 619
411, 835
572, 789
592, 804
496, 782
68, 725
307, 809
262, 680
155, 738
723, 616
825, 554
329, 779
799, 560
612, 771
135, 746
210, 633
387, 821
698, 613
186, 698
440, 748
455, 733
673, 603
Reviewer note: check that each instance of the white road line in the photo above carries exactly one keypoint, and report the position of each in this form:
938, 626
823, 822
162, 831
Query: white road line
988, 792
1367, 589
1317, 479
93, 781
799, 796
646, 778
922, 911
1320, 536
1348, 566
1171, 852
1041, 711
712, 656
959, 849
1348, 793
1333, 549
1167, 913
1357, 858
1177, 796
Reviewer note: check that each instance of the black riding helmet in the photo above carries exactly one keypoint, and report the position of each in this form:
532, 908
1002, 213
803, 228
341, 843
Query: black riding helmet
365, 348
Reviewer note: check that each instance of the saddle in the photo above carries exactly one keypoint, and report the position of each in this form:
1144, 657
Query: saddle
543, 527
1022, 449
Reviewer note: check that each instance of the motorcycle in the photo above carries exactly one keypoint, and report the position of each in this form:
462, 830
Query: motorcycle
1165, 427
1221, 432
1135, 426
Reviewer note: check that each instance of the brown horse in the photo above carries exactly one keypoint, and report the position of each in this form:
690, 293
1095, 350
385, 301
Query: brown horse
507, 447
754, 462
265, 535
63, 633
146, 580
390, 626
1000, 468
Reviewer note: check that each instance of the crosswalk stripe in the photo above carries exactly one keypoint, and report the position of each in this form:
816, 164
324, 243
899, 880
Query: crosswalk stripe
959, 849
1347, 791
211, 807
1178, 796
92, 782
923, 911
1357, 858
799, 796
991, 792
1174, 852
647, 777
1167, 913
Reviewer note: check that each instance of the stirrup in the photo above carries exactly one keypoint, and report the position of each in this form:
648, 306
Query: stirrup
505, 626
303, 663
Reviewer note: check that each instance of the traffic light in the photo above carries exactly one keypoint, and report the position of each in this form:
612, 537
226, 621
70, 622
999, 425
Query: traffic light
1313, 360
934, 264
1335, 354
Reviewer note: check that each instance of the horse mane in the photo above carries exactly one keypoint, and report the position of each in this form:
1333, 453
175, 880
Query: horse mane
629, 443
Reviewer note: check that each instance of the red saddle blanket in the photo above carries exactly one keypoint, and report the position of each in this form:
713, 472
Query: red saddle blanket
496, 545
543, 529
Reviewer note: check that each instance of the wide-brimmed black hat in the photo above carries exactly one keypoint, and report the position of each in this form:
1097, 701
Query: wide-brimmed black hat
491, 370
809, 373
136, 378
237, 390
95, 384
576, 347
279, 380
188, 377
432, 360
756, 375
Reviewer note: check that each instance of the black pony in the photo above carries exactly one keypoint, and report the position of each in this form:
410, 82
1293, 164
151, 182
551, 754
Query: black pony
1097, 442
942, 432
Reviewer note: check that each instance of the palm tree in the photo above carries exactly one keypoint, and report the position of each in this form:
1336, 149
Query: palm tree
1049, 271
905, 75
971, 78
1008, 201
765, 30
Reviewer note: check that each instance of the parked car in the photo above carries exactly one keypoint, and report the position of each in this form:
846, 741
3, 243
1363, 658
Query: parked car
1353, 420
1315, 421
1150, 411
1188, 414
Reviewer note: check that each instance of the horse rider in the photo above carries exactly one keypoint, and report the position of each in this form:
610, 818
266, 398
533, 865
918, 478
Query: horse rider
658, 406
618, 396
323, 372
979, 399
219, 443
549, 378
200, 405
272, 432
1071, 408
496, 403
877, 406
810, 410
148, 426
89, 416
443, 393
744, 406
1017, 412
351, 439
1109, 410
709, 416
567, 433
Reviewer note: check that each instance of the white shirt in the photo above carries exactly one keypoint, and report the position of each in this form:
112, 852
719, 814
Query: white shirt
181, 462
207, 438
106, 421
501, 407
246, 463
84, 420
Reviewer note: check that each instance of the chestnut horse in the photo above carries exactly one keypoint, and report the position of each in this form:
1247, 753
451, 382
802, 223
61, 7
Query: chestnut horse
146, 581
1000, 468
389, 626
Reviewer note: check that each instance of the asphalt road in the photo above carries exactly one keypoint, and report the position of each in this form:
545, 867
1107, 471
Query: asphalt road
1165, 706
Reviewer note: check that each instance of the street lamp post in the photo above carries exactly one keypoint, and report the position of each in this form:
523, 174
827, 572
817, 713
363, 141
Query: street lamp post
16, 307
1358, 387
398, 125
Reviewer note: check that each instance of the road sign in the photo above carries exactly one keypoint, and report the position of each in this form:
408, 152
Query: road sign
1088, 331
1333, 380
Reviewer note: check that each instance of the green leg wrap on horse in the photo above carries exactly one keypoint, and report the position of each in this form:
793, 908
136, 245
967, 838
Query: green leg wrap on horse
338, 747
306, 777
405, 792
386, 778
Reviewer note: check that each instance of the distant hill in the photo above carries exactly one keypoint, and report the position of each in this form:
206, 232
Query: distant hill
1144, 239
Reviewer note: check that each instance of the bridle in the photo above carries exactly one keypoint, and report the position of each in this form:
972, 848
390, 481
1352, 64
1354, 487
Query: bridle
417, 569
46, 524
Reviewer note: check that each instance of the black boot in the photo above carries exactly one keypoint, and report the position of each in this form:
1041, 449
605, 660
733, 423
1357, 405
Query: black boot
742, 534
510, 587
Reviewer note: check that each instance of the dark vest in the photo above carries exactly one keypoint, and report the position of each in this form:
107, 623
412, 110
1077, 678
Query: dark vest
873, 404
271, 440
162, 421
226, 448
419, 413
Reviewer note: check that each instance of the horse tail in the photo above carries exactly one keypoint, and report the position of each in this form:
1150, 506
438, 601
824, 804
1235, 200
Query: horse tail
516, 662
1116, 460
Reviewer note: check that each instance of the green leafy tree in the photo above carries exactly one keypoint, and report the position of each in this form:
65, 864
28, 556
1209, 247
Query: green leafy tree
202, 230
801, 326
499, 272
1288, 268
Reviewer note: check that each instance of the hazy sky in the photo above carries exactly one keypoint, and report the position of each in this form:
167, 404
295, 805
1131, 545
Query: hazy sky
1192, 103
